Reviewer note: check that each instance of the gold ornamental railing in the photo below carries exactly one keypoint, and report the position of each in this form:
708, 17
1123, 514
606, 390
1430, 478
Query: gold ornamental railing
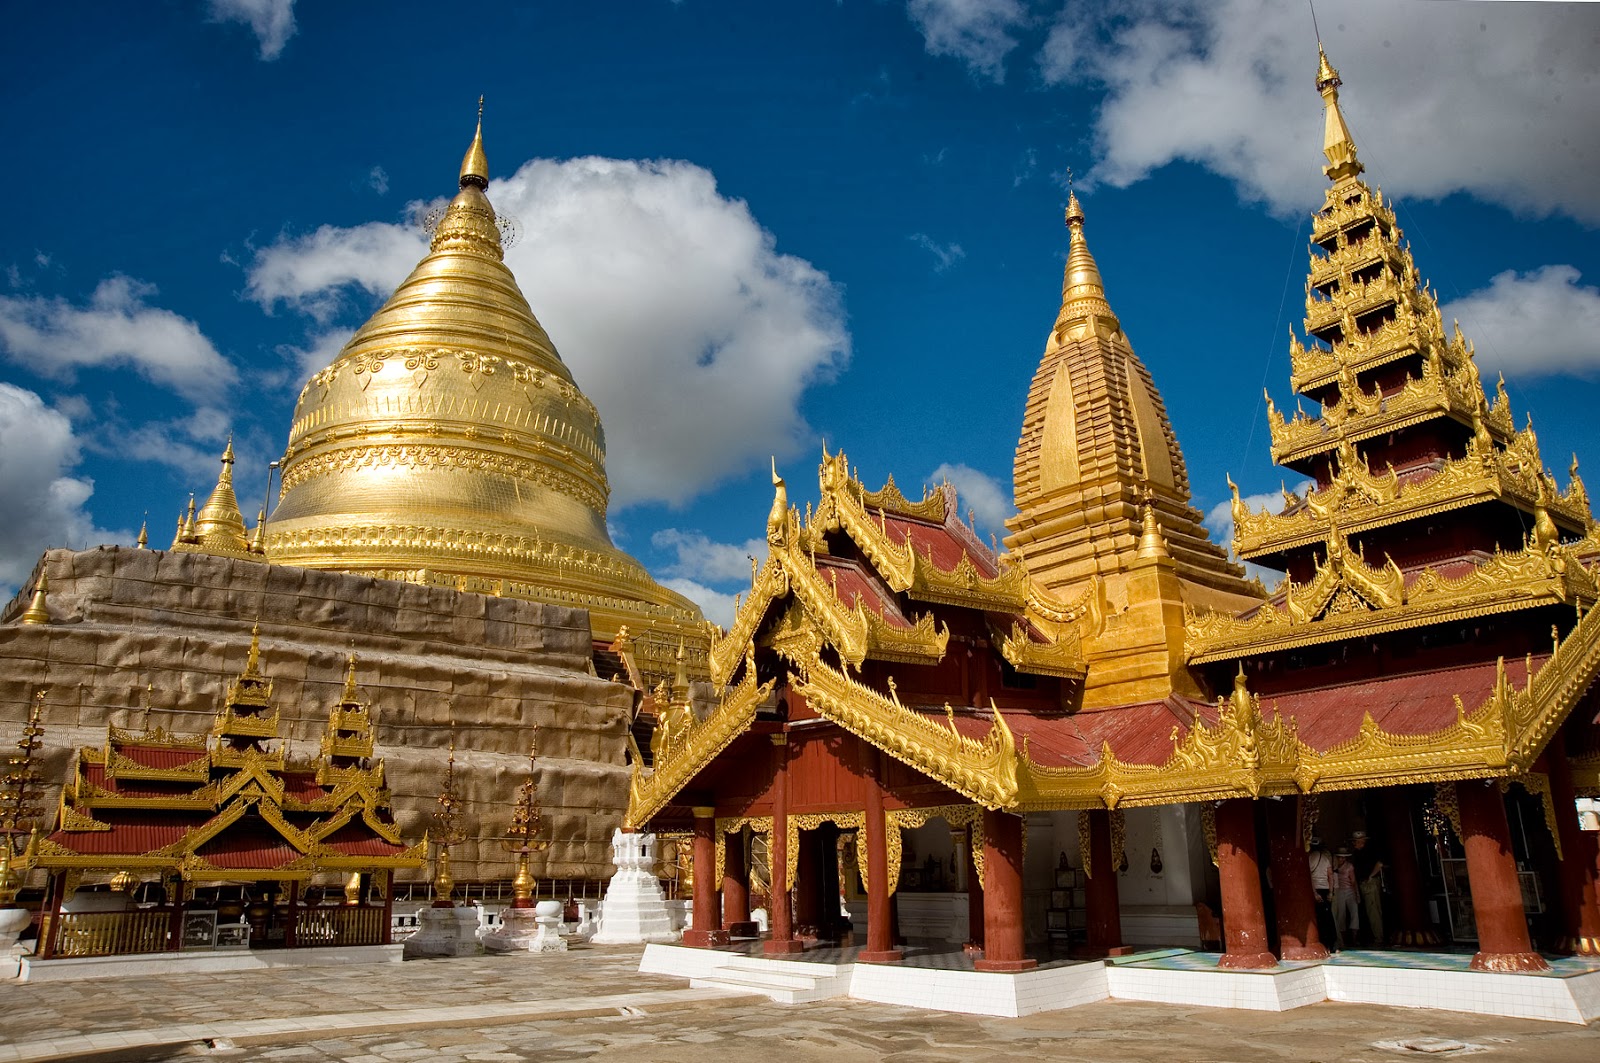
113, 933
316, 927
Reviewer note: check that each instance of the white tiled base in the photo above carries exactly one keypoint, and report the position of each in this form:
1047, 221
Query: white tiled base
972, 993
1518, 996
1574, 999
72, 970
1272, 990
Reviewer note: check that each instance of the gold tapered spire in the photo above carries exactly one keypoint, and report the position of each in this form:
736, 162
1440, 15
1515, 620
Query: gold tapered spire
37, 612
475, 166
219, 526
143, 542
1337, 144
1083, 293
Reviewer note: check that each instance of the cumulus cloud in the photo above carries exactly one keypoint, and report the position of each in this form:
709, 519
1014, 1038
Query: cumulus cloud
272, 21
318, 353
43, 503
990, 502
378, 180
667, 299
1533, 324
944, 255
1219, 522
1491, 99
980, 33
118, 327
717, 606
698, 558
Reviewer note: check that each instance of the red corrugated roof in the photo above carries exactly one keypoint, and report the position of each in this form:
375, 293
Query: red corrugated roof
356, 839
251, 847
946, 546
1139, 734
302, 786
161, 756
96, 774
131, 834
1419, 703
851, 580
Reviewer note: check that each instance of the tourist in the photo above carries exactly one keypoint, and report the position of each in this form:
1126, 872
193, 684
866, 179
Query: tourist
1345, 921
1322, 889
1369, 880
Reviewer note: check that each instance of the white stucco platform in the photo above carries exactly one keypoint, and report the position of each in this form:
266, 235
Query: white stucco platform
945, 981
160, 963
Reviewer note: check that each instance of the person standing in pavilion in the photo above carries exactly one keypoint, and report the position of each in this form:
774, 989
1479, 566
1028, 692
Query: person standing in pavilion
1345, 918
1369, 880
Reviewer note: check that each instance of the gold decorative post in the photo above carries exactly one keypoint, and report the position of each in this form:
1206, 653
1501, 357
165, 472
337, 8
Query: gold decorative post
447, 830
20, 786
522, 837
37, 612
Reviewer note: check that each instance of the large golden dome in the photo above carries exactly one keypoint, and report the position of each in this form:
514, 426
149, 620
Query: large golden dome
448, 444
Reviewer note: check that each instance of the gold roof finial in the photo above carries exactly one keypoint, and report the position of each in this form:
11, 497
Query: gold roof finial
350, 679
1337, 144
680, 678
188, 520
252, 663
37, 612
475, 166
1151, 542
1083, 293
778, 516
143, 542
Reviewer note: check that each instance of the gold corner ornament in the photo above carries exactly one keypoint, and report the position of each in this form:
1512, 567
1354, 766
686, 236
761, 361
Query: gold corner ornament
692, 747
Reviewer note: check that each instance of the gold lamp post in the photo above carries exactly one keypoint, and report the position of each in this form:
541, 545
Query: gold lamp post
447, 830
522, 837
20, 786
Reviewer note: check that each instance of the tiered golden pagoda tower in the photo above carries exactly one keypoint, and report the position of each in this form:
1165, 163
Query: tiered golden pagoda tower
448, 444
1429, 505
1102, 495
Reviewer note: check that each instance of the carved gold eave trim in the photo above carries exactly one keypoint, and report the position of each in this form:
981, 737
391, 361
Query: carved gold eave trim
1362, 500
679, 762
965, 586
931, 508
771, 582
1063, 656
1505, 582
1586, 775
121, 766
925, 642
984, 771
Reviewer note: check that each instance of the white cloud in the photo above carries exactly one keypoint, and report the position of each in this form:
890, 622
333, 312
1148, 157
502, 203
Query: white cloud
378, 180
117, 327
1533, 324
310, 273
698, 558
1491, 99
669, 302
717, 607
1219, 522
272, 21
980, 33
44, 506
944, 255
990, 502
319, 352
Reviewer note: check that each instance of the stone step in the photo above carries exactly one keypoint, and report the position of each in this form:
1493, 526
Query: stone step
776, 979
750, 981
798, 967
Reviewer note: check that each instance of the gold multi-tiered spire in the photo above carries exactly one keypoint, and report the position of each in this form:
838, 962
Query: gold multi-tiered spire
1403, 429
448, 443
1102, 496
218, 527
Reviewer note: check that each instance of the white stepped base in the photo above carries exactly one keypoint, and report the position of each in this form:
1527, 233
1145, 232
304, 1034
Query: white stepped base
1517, 996
975, 993
1276, 989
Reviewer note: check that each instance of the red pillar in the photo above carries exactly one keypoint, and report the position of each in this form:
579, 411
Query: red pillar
1580, 898
707, 931
1503, 942
1104, 910
880, 934
780, 941
1403, 872
1294, 903
1243, 919
292, 926
1002, 908
806, 885
736, 889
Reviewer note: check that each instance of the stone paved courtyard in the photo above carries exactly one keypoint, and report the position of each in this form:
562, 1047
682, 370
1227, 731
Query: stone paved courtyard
591, 1004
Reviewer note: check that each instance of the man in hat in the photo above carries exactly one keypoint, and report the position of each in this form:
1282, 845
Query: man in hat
1321, 862
1369, 880
1345, 920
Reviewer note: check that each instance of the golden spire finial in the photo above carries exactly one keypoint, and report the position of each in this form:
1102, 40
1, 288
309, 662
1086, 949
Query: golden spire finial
778, 516
475, 166
252, 663
219, 525
1337, 144
143, 542
188, 520
1151, 542
1083, 293
350, 678
37, 612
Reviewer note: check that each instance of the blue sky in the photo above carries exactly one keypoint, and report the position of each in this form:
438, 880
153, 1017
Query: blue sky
753, 228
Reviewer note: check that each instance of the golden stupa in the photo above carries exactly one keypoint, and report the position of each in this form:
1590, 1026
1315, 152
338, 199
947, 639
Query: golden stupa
448, 444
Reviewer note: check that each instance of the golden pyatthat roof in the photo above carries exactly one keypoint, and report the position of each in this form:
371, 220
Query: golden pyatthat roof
448, 443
